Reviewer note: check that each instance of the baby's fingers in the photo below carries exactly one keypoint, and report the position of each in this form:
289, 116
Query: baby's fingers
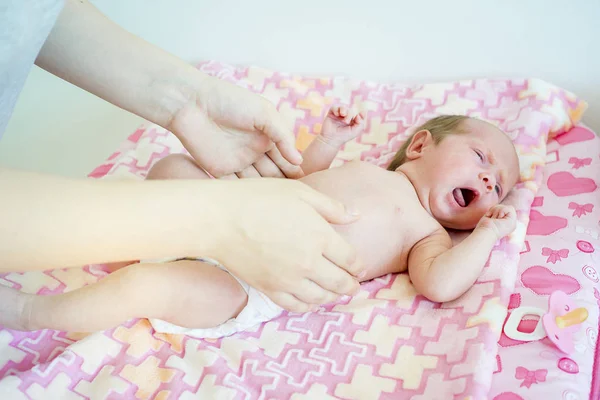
510, 211
358, 119
335, 111
495, 212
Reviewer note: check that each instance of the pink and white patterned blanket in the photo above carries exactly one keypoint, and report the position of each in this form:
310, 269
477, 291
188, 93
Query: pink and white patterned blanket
560, 253
386, 342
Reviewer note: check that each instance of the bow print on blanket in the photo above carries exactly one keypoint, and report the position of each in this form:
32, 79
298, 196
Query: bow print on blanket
386, 342
555, 255
581, 209
530, 377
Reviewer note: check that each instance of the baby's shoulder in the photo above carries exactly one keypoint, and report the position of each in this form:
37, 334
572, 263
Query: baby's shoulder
363, 164
357, 171
430, 233
362, 167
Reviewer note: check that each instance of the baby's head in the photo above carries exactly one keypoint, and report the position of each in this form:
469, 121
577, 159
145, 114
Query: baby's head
460, 168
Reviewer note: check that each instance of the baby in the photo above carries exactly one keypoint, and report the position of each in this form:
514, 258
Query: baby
451, 173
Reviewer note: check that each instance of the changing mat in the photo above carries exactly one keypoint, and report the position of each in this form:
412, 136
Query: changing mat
561, 252
386, 342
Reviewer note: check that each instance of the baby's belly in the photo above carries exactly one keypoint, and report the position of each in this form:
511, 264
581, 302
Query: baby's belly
378, 236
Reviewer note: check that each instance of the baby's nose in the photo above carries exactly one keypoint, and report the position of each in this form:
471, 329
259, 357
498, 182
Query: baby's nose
488, 180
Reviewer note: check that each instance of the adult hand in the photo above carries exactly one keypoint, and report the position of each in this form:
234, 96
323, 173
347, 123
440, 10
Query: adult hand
273, 234
228, 129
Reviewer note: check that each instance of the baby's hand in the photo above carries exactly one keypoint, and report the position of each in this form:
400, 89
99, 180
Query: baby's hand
341, 125
500, 219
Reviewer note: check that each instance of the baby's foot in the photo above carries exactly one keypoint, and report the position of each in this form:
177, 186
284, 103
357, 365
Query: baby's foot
341, 125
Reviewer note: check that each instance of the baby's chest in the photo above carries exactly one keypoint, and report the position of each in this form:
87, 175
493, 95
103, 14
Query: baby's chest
391, 215
387, 226
393, 220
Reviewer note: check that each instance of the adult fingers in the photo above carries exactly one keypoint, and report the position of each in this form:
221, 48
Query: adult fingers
310, 292
248, 172
272, 124
340, 253
290, 302
289, 170
331, 278
267, 168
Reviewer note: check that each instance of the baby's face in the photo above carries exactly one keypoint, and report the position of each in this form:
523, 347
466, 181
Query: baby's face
467, 174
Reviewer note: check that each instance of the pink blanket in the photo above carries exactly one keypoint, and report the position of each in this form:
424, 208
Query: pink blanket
560, 253
386, 342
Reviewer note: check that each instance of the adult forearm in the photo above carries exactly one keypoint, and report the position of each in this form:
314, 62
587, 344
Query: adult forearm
90, 51
51, 222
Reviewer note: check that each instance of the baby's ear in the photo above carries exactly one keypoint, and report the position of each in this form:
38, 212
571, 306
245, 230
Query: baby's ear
419, 142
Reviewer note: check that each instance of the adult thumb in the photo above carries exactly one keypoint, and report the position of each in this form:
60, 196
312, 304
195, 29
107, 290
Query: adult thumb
273, 125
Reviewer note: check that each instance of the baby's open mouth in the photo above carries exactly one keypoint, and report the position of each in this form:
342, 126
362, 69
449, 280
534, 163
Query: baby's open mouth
464, 196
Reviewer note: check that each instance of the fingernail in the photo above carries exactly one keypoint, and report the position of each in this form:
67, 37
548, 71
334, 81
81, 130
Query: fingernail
362, 275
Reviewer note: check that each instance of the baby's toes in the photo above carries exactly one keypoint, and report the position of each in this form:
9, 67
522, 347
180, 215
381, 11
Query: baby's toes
343, 111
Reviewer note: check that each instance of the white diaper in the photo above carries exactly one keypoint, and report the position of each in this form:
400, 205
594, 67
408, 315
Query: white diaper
258, 309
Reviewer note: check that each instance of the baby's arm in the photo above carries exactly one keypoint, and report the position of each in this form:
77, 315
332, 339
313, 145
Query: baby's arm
340, 126
441, 272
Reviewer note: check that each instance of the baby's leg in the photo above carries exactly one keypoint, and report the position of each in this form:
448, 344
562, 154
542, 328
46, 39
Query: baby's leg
176, 166
14, 309
187, 293
179, 166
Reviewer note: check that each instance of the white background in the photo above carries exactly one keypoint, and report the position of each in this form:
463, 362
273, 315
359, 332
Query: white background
61, 129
